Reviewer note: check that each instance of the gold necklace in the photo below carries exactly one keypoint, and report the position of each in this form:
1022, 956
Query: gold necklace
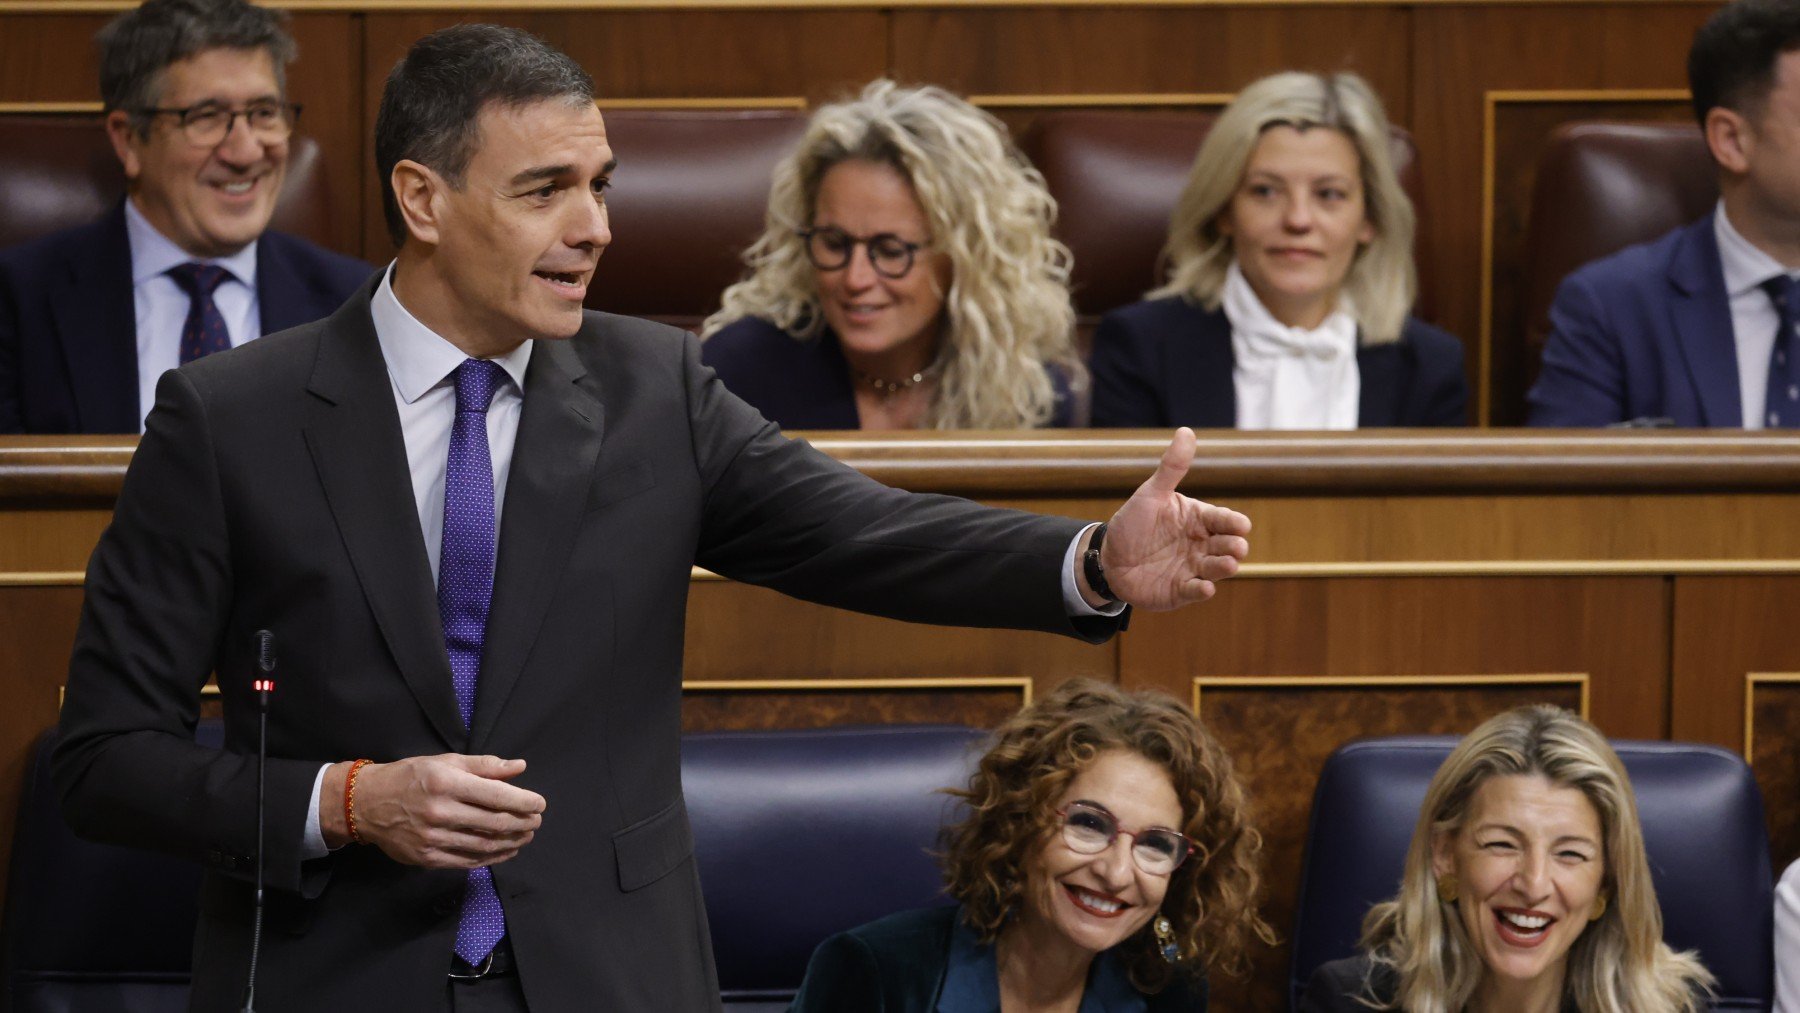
889, 388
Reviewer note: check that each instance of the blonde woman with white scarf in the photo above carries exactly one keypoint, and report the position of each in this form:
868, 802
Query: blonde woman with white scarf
1290, 281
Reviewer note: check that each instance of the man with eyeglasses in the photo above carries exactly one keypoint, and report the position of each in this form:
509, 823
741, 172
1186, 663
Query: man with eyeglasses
90, 317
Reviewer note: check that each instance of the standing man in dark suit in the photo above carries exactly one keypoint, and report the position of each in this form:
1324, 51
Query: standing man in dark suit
1700, 327
196, 107
468, 511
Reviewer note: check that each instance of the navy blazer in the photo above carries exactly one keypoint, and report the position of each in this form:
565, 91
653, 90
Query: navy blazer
1643, 334
1336, 987
68, 321
1168, 362
897, 964
806, 384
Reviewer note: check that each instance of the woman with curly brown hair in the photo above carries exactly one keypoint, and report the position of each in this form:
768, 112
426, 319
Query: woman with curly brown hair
1107, 863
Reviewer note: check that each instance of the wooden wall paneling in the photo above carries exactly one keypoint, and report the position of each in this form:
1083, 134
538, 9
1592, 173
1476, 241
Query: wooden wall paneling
1460, 53
809, 703
1521, 123
1728, 629
1058, 51
740, 633
1612, 630
49, 57
1772, 745
660, 54
1279, 735
328, 81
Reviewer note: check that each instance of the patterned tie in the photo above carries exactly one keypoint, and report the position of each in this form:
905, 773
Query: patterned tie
204, 333
1781, 406
465, 589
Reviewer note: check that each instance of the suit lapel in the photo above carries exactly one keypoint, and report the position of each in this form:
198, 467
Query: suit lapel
356, 446
553, 465
1378, 378
1202, 391
1702, 313
96, 322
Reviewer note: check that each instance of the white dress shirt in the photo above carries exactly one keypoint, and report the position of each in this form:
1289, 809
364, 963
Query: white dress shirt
162, 305
1290, 377
1787, 941
1753, 314
421, 366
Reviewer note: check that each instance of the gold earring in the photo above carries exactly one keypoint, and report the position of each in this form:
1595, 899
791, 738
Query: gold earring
1599, 908
1165, 939
1447, 888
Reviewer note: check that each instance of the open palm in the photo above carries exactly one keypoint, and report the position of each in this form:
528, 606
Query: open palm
1164, 550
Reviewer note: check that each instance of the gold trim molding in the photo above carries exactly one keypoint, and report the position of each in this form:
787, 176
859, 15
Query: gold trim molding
1490, 103
1019, 682
49, 108
1578, 679
1751, 681
728, 103
1102, 101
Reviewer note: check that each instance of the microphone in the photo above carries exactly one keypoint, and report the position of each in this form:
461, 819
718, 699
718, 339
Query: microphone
264, 685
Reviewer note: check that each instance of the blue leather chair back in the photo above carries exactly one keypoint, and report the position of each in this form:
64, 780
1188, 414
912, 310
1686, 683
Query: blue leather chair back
798, 834
802, 834
93, 928
1703, 828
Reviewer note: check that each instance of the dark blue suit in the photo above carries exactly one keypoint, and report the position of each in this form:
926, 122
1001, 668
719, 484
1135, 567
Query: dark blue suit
1644, 333
1168, 362
805, 384
68, 321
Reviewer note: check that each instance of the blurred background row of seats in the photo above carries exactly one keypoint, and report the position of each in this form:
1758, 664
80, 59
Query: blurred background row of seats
692, 187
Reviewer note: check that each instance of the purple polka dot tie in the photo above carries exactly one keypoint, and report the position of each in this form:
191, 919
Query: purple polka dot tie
204, 333
1781, 406
465, 589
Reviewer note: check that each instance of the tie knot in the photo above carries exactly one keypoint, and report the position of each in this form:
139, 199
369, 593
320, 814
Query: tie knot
1784, 292
476, 382
198, 279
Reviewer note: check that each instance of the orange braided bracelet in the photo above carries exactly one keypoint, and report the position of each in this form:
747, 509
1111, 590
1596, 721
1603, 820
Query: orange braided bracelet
350, 801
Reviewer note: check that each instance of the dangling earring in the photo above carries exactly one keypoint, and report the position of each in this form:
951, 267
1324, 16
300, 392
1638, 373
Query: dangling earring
1599, 908
1165, 939
1447, 888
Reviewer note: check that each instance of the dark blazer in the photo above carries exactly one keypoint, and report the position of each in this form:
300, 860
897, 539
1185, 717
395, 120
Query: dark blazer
1168, 362
806, 384
1644, 333
68, 322
1335, 987
271, 490
897, 965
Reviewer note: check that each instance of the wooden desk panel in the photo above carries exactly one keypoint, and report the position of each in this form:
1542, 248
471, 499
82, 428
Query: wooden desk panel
1432, 579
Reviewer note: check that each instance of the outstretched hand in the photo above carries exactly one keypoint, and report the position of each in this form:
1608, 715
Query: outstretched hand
1164, 550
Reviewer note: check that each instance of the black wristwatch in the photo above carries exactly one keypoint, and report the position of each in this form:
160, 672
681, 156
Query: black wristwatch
1093, 571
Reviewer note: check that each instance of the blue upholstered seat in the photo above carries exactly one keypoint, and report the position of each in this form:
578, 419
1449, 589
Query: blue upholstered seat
1703, 827
798, 834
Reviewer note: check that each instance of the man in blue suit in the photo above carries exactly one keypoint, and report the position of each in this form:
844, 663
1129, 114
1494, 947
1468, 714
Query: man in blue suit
1700, 327
90, 317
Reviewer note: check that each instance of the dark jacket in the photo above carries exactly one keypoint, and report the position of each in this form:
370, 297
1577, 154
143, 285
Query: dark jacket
68, 321
806, 384
1645, 333
896, 965
271, 490
1168, 362
1336, 986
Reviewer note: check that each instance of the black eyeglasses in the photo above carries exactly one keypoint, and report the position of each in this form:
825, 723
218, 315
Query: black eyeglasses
830, 249
207, 124
1088, 830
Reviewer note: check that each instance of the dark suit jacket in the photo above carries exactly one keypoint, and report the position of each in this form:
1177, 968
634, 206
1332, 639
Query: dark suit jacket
806, 384
271, 489
68, 322
897, 965
1336, 986
1168, 362
1644, 333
